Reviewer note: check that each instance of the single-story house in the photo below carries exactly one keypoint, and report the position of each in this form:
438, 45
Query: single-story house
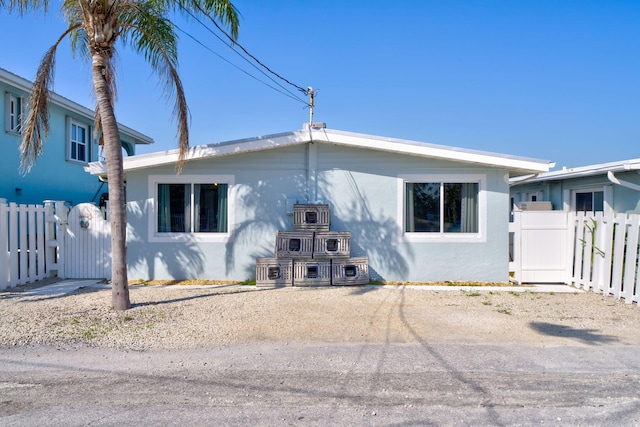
418, 211
608, 187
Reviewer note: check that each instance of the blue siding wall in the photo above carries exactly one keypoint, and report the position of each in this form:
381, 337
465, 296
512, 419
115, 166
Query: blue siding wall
361, 187
52, 176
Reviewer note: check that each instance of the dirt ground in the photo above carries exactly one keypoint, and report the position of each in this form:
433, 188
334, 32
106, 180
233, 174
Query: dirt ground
213, 316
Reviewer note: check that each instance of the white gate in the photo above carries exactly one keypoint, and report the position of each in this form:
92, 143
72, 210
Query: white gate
87, 243
540, 251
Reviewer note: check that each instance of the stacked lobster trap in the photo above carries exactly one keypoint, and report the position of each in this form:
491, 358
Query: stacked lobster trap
311, 255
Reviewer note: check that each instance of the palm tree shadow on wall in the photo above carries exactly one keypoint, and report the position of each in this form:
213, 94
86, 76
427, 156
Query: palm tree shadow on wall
373, 236
181, 260
265, 206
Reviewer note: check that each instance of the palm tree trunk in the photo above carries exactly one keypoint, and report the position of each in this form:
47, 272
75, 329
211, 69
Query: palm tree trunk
115, 175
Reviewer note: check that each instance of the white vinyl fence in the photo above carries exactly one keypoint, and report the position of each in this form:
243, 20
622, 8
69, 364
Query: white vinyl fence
587, 251
39, 241
606, 254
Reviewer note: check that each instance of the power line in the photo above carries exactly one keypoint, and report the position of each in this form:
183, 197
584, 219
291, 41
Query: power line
231, 45
285, 92
301, 89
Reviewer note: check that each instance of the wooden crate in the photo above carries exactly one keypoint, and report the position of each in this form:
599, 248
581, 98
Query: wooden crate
311, 217
274, 272
294, 244
351, 271
311, 273
331, 244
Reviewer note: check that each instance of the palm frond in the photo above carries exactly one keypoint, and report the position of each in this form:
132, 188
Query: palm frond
36, 126
224, 10
23, 6
37, 123
151, 33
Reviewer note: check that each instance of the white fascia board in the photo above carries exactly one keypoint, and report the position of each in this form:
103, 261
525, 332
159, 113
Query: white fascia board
515, 165
144, 161
413, 148
26, 86
590, 170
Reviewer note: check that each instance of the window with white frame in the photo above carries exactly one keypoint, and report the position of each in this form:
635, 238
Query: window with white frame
14, 113
440, 206
79, 141
589, 200
190, 206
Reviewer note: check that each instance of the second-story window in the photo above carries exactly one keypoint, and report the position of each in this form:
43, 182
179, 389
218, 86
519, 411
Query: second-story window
79, 142
13, 117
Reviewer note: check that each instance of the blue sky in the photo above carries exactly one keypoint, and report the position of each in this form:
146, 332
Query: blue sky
556, 80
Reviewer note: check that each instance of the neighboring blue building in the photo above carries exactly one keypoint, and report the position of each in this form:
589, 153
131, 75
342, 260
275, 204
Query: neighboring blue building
58, 173
418, 211
608, 187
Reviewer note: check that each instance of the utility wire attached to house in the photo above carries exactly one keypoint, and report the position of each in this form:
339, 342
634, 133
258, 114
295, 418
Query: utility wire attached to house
231, 43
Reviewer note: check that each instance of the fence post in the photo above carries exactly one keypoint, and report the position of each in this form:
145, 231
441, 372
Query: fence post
55, 218
13, 244
619, 239
606, 245
40, 243
571, 247
5, 255
515, 227
631, 259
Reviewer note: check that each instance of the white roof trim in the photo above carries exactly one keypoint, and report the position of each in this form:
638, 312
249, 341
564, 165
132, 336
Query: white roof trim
590, 170
25, 85
518, 165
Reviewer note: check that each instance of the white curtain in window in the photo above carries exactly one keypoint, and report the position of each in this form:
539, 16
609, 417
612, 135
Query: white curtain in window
469, 208
410, 206
222, 208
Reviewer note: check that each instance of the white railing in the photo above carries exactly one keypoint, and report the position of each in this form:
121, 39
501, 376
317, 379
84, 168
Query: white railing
605, 254
28, 242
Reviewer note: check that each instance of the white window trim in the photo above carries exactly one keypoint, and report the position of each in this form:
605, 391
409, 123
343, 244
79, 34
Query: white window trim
88, 142
155, 236
7, 123
570, 196
407, 237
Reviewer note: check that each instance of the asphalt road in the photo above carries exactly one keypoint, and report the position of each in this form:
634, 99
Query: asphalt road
354, 384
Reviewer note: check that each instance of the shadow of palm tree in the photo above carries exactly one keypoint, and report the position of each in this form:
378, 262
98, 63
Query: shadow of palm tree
199, 296
589, 336
184, 260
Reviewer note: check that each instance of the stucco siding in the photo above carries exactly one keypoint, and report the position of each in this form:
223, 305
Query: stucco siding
361, 187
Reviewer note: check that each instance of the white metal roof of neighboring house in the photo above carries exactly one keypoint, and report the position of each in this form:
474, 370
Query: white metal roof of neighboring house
583, 171
516, 166
21, 83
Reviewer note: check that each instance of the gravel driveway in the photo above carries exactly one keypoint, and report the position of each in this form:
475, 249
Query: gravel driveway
213, 316
371, 355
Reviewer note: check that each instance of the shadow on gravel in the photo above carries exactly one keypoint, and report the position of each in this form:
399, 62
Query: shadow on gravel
486, 401
363, 289
193, 297
589, 336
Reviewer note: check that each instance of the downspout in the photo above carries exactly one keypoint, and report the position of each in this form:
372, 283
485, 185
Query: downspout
615, 180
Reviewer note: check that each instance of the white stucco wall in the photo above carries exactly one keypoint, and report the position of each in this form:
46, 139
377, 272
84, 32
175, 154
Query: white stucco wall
362, 188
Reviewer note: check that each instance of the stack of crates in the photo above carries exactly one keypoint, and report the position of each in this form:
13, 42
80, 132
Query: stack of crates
311, 255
